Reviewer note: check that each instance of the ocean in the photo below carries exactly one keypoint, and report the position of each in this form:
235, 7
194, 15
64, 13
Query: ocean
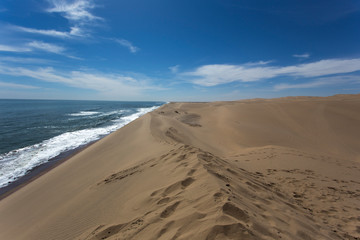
34, 132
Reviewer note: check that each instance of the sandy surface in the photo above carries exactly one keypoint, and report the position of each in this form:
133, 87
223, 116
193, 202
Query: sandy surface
285, 168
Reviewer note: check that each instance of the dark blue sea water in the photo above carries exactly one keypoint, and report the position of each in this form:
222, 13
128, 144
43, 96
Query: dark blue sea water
32, 132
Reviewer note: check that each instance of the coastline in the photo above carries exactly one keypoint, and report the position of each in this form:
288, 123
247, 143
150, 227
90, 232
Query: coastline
40, 170
45, 166
254, 169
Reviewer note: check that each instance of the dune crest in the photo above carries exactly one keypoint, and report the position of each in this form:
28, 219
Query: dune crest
256, 169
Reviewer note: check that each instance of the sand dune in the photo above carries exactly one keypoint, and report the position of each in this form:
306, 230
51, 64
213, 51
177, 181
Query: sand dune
285, 168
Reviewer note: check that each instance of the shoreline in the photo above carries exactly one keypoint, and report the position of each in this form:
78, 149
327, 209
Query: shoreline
42, 169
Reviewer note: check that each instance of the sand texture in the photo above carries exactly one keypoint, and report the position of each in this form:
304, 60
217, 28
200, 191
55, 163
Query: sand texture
286, 168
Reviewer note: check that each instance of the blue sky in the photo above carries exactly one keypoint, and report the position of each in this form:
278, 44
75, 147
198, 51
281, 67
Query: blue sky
178, 50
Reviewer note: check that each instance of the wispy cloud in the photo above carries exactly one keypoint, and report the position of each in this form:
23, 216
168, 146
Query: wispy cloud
174, 69
114, 85
22, 60
302, 56
259, 63
125, 43
212, 75
35, 46
335, 80
81, 21
285, 86
52, 33
77, 11
8, 48
16, 85
48, 47
74, 32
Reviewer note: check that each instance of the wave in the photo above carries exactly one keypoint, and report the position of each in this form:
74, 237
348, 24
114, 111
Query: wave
112, 113
17, 163
83, 113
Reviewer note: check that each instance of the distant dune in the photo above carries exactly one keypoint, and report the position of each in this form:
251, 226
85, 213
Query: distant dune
286, 168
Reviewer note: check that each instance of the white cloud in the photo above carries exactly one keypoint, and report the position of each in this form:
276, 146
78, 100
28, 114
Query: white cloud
48, 47
77, 32
320, 82
302, 56
127, 44
285, 86
212, 75
52, 33
35, 46
259, 63
174, 69
77, 11
109, 85
7, 48
322, 68
21, 60
17, 86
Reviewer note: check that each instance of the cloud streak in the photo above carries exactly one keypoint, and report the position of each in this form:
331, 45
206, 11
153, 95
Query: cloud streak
174, 69
336, 80
16, 86
110, 85
125, 43
35, 46
21, 60
77, 11
8, 48
74, 32
216, 74
81, 20
302, 56
47, 47
52, 33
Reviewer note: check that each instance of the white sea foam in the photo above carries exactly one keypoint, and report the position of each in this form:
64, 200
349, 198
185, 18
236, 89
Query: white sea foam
17, 163
83, 113
112, 113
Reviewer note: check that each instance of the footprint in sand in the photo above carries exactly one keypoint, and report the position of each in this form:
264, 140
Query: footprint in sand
191, 172
174, 187
231, 231
107, 232
163, 200
233, 211
169, 210
165, 228
178, 185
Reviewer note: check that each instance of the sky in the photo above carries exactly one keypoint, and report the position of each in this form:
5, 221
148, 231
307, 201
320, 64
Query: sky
178, 50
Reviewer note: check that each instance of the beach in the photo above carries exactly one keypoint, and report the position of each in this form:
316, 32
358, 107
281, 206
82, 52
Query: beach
285, 168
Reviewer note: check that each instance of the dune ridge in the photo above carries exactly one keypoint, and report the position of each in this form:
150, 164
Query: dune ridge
283, 168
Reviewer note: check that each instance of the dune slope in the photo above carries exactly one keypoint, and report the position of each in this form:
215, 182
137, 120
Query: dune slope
283, 168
